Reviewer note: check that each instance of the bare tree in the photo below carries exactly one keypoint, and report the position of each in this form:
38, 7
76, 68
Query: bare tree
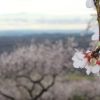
30, 71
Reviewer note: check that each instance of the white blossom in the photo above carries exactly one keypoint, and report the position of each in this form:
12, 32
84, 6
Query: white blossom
90, 4
95, 37
92, 69
86, 60
80, 61
95, 30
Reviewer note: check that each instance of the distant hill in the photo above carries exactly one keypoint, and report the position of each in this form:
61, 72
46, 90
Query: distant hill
9, 42
31, 32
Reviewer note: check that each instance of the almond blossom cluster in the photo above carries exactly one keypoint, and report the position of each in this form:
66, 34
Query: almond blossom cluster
89, 60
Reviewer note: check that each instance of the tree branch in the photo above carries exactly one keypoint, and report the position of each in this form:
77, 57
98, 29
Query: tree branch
45, 89
7, 96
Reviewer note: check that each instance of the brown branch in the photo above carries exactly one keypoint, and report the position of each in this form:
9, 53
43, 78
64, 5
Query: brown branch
32, 81
29, 78
7, 96
37, 82
27, 89
45, 89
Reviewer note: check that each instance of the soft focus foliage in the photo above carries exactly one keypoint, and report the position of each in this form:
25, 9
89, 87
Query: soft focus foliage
44, 71
29, 71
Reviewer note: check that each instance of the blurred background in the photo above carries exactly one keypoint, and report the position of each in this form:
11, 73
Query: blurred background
37, 41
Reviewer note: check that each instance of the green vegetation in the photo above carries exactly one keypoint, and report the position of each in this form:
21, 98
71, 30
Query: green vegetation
79, 97
79, 77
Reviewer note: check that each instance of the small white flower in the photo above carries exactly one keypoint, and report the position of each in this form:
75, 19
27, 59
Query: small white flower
92, 69
78, 60
88, 71
90, 4
95, 37
95, 69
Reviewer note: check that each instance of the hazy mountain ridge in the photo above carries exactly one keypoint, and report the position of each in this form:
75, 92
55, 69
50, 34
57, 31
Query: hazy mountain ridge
32, 32
9, 42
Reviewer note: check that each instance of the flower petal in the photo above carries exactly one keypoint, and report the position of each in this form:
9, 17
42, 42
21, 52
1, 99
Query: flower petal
95, 37
88, 72
95, 69
90, 4
76, 65
88, 69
